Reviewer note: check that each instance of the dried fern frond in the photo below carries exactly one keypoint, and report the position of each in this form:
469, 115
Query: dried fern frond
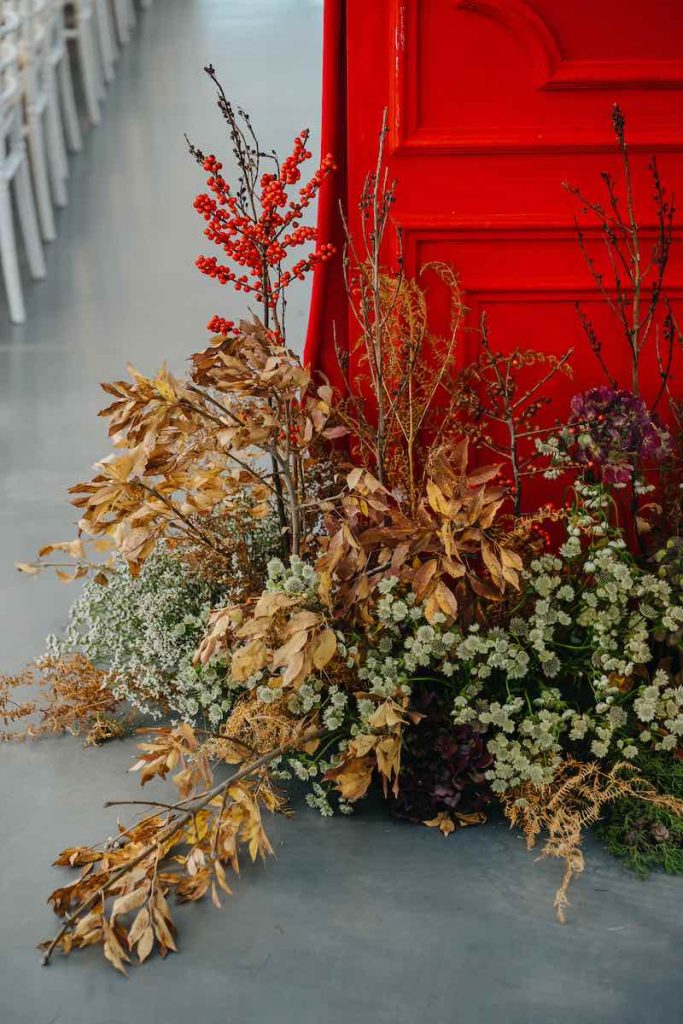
573, 801
75, 698
13, 710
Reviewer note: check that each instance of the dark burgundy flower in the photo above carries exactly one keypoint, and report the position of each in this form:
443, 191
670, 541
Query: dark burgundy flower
442, 765
612, 429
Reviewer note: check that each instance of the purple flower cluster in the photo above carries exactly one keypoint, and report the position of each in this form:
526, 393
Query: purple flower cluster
611, 429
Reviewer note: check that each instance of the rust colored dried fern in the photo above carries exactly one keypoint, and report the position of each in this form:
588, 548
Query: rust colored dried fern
73, 698
571, 803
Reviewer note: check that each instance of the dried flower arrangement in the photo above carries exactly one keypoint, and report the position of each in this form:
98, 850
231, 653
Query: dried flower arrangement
328, 586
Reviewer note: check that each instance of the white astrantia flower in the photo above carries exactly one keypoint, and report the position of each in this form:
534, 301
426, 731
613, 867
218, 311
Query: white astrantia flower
552, 675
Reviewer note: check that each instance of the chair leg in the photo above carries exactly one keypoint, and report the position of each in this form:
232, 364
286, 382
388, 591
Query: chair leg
62, 158
66, 91
105, 39
111, 26
36, 147
86, 57
28, 221
98, 62
89, 28
56, 154
10, 264
122, 20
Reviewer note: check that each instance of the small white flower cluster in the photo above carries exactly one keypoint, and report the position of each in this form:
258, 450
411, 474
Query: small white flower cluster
310, 770
383, 671
145, 630
333, 715
296, 578
596, 633
554, 448
319, 800
523, 737
660, 706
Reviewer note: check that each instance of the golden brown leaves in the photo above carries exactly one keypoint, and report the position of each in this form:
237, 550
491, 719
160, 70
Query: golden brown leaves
250, 364
280, 636
353, 776
119, 900
449, 553
248, 659
174, 749
187, 448
449, 823
324, 648
379, 748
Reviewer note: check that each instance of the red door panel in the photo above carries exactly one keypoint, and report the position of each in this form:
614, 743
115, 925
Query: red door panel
492, 105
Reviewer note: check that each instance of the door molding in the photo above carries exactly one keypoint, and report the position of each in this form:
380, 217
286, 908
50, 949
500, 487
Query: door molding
550, 72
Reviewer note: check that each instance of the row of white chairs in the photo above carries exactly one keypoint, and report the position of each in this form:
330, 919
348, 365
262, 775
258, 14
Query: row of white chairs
41, 42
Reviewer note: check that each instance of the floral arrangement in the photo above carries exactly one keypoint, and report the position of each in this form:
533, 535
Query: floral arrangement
337, 587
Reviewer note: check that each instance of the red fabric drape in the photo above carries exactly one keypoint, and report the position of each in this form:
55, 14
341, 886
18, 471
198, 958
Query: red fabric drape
328, 310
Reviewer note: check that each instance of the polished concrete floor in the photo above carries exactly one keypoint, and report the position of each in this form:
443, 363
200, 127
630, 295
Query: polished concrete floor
356, 920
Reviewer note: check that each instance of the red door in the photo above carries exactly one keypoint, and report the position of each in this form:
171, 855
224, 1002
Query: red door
493, 104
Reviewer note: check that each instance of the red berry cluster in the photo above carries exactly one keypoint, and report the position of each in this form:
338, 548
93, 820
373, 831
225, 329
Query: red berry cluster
219, 325
257, 231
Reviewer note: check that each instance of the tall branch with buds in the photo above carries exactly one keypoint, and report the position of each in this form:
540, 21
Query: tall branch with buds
633, 287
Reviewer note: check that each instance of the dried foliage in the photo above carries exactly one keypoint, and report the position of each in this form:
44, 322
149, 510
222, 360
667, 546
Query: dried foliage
630, 273
119, 901
450, 551
260, 727
185, 448
280, 634
502, 398
576, 799
399, 402
74, 697
378, 749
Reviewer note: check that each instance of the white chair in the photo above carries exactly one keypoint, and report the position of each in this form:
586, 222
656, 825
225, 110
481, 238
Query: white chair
79, 27
41, 113
14, 170
61, 70
105, 36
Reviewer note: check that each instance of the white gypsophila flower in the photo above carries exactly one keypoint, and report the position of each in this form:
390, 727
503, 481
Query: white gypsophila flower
144, 630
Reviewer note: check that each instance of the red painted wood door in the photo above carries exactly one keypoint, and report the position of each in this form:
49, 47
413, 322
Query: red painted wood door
492, 105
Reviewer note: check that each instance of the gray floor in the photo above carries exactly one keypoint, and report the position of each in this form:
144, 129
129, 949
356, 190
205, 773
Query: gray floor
357, 919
